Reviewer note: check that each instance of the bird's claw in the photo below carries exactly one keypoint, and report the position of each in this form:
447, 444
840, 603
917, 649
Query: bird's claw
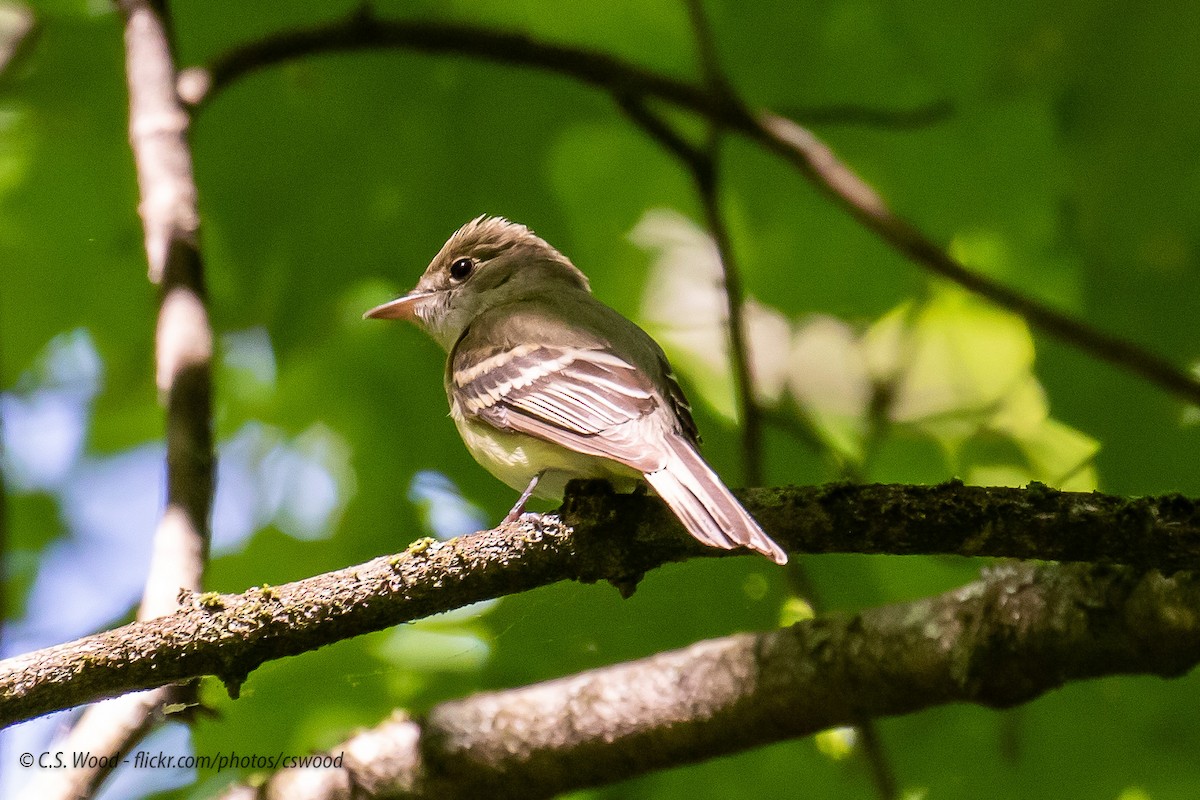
521, 516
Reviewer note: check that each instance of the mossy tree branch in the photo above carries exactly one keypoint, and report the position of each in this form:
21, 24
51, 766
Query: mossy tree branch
596, 536
1020, 631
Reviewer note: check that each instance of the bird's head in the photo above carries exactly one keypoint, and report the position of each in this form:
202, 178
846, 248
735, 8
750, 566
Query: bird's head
487, 262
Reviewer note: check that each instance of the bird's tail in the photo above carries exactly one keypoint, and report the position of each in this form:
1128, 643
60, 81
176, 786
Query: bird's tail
705, 507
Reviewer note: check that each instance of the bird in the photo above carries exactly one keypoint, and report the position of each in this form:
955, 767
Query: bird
547, 384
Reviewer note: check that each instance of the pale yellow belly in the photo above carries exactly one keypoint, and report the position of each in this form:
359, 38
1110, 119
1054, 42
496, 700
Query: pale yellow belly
515, 458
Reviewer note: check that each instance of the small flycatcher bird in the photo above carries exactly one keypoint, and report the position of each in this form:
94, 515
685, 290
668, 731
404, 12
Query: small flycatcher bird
547, 384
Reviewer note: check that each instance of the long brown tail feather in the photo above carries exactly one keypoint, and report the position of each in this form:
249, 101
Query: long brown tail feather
705, 507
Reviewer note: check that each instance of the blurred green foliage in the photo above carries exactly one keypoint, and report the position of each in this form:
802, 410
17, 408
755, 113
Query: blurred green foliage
1068, 168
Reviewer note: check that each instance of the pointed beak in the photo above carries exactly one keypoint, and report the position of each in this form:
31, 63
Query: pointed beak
401, 308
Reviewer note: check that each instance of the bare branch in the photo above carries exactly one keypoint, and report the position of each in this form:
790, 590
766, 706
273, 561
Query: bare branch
634, 106
1017, 633
363, 31
701, 164
17, 26
706, 174
889, 119
158, 135
599, 536
739, 339
794, 143
813, 157
158, 126
704, 166
706, 48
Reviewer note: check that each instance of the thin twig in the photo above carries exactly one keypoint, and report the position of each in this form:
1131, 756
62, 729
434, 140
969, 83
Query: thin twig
888, 119
660, 130
814, 158
363, 31
739, 344
706, 173
783, 136
706, 48
872, 748
701, 165
158, 136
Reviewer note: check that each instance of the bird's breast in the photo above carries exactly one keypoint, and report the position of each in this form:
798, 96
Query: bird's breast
515, 458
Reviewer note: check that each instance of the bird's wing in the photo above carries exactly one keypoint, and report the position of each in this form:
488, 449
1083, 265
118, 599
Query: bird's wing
584, 398
680, 406
566, 385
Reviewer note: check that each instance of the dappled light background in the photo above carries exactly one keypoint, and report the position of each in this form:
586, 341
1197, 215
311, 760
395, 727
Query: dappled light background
1066, 167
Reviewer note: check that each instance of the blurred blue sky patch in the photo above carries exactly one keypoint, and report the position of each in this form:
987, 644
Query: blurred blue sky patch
444, 510
92, 577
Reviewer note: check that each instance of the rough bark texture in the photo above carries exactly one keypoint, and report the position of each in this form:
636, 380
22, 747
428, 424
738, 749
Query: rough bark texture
601, 536
1019, 632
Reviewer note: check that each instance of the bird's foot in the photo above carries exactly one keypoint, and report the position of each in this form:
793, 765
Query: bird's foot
518, 508
517, 515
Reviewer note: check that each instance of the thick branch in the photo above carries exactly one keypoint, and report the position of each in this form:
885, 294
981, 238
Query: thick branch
1017, 633
783, 136
605, 537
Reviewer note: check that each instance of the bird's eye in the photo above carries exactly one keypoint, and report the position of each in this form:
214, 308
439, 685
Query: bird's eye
461, 268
